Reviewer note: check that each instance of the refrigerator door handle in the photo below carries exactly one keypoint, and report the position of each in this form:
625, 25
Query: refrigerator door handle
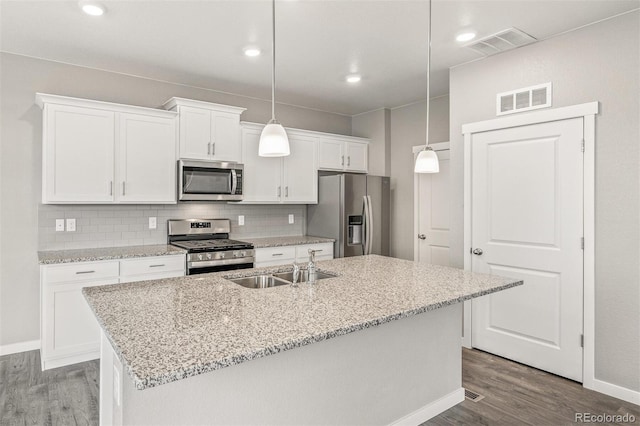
365, 224
370, 220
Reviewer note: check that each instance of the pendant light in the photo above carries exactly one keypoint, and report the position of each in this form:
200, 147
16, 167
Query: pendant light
427, 161
273, 139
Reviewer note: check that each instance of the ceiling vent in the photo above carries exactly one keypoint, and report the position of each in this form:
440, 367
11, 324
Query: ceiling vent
524, 99
499, 42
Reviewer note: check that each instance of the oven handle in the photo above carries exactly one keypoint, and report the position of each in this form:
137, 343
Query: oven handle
234, 181
219, 262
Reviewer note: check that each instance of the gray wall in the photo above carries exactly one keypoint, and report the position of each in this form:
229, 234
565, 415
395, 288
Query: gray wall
596, 63
20, 169
375, 125
408, 126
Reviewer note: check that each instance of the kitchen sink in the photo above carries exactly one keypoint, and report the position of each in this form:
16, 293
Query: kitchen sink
303, 276
260, 281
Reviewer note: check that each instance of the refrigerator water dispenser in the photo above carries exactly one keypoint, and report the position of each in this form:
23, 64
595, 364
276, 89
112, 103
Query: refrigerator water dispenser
355, 230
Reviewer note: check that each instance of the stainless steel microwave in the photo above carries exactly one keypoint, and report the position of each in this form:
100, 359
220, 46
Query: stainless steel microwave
200, 180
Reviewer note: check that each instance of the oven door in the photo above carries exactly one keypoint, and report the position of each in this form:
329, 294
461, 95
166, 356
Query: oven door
209, 181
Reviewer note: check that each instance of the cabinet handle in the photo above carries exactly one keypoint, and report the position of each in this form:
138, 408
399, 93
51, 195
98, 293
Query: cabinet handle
213, 148
318, 251
209, 148
123, 188
349, 160
111, 187
156, 266
277, 254
279, 192
342, 161
286, 191
84, 272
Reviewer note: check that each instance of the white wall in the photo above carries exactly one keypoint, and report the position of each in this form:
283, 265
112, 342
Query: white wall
408, 128
375, 125
595, 63
20, 161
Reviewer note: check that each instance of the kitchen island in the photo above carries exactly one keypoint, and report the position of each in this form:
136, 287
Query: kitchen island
378, 344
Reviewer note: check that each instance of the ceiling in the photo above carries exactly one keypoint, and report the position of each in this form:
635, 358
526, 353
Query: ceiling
200, 43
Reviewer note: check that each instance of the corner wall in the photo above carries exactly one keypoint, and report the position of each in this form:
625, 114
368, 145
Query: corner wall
596, 63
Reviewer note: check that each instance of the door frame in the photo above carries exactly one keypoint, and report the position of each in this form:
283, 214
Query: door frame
440, 146
588, 112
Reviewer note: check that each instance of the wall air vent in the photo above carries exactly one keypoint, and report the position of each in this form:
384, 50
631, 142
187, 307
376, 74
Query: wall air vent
524, 99
499, 42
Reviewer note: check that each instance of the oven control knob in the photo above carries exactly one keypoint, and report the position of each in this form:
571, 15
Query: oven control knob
199, 257
235, 254
222, 255
243, 253
208, 255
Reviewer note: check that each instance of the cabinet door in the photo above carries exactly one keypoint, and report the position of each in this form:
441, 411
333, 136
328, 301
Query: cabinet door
330, 154
78, 146
147, 159
262, 175
300, 171
356, 156
195, 133
225, 142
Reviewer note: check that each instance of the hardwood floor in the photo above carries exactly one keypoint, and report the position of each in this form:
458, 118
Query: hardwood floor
61, 396
514, 394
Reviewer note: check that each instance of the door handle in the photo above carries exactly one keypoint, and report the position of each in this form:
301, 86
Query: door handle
111, 188
279, 191
213, 148
342, 161
209, 148
477, 252
422, 236
123, 188
286, 191
348, 160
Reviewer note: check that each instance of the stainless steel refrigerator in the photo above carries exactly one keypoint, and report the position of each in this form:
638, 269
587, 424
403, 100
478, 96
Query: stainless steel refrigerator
354, 210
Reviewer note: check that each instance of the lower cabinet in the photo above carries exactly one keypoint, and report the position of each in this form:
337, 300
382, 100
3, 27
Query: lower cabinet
69, 332
286, 255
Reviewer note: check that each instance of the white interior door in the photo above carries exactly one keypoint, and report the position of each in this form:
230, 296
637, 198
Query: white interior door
527, 223
433, 213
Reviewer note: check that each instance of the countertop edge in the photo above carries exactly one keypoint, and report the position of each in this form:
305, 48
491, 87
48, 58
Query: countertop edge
98, 258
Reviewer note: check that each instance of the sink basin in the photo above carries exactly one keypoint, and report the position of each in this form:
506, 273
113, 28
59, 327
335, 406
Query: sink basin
260, 281
303, 276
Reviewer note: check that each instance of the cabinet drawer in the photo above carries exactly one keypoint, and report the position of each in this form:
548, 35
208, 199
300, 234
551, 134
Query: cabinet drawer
269, 254
81, 271
152, 265
323, 251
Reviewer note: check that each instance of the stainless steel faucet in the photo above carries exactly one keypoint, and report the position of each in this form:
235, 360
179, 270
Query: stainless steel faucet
296, 275
311, 267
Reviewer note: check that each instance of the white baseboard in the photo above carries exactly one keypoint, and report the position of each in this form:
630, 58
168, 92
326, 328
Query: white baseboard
615, 391
15, 348
432, 409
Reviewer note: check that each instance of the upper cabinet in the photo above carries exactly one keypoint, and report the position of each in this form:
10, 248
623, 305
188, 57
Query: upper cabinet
103, 153
342, 153
208, 131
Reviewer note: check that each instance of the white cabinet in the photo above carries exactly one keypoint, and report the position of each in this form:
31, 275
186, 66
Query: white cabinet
286, 255
208, 131
103, 153
69, 332
287, 180
344, 154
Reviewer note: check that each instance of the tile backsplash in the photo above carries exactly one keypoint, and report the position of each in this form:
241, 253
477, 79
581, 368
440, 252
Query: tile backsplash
128, 225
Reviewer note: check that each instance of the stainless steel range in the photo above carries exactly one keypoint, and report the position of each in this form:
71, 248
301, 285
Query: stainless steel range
208, 246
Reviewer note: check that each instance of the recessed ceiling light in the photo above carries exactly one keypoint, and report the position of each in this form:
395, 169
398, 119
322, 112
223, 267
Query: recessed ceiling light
93, 9
462, 37
353, 78
251, 51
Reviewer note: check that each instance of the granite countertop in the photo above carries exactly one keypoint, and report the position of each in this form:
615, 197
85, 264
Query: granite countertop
171, 329
107, 253
286, 241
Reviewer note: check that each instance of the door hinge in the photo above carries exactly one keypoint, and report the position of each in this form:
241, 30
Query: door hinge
582, 340
582, 243
582, 145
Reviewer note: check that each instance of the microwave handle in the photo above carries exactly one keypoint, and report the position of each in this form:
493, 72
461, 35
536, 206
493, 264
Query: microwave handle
234, 181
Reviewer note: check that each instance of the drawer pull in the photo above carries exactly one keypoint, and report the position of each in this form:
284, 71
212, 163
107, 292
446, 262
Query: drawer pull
318, 250
85, 272
277, 254
156, 266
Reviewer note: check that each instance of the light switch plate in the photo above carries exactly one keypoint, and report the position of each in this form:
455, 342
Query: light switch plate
71, 225
153, 222
59, 225
291, 219
241, 220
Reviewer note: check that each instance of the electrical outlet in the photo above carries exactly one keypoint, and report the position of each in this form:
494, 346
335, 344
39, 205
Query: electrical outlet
59, 225
291, 219
71, 225
241, 220
153, 222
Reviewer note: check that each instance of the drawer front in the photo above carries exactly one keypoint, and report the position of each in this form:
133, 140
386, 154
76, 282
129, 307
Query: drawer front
81, 271
154, 276
152, 265
324, 251
269, 254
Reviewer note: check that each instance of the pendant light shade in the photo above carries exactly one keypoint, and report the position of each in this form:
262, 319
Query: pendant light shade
427, 160
273, 139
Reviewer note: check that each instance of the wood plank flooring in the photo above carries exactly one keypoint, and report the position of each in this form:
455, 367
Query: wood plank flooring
514, 394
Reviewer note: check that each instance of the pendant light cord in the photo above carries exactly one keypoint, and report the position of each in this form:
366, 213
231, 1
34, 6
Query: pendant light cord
428, 73
273, 60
